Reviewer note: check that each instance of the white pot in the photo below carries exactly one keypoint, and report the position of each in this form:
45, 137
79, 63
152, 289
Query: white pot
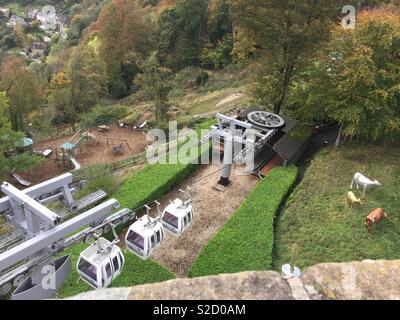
287, 272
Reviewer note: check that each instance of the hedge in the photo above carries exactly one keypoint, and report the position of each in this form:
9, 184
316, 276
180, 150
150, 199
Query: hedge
246, 241
154, 181
147, 185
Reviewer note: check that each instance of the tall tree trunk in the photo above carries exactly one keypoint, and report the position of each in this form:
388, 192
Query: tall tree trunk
284, 89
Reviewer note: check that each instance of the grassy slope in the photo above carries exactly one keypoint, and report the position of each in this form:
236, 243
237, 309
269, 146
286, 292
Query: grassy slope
245, 242
316, 218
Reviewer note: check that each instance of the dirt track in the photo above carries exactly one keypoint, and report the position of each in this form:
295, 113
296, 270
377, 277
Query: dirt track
211, 210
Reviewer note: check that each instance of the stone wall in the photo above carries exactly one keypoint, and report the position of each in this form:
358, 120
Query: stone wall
344, 281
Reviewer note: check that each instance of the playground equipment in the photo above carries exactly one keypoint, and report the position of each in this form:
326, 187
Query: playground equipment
119, 149
101, 263
46, 153
75, 163
145, 235
77, 140
20, 180
42, 234
68, 148
103, 128
141, 126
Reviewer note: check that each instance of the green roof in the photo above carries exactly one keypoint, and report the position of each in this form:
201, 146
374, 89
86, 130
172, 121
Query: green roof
25, 142
68, 146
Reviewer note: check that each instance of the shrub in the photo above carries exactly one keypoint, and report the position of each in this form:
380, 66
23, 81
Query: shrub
101, 115
190, 77
98, 178
246, 241
220, 56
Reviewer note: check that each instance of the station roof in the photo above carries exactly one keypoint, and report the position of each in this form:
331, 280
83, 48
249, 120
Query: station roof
292, 142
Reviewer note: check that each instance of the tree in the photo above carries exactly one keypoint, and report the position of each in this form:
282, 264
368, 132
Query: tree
356, 79
22, 88
282, 36
80, 86
219, 20
124, 30
8, 139
153, 82
182, 28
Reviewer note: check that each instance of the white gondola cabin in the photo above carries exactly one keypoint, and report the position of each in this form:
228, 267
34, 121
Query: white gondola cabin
144, 236
177, 217
100, 263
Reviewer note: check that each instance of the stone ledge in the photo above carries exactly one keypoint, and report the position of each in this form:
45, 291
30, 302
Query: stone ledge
367, 280
342, 281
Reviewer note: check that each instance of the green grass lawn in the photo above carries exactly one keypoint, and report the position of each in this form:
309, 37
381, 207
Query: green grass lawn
246, 241
206, 103
315, 216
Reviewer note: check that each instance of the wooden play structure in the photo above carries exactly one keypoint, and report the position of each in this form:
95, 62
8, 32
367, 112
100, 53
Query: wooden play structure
68, 149
20, 180
77, 140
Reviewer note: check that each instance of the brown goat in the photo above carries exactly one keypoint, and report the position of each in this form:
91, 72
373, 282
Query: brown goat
374, 217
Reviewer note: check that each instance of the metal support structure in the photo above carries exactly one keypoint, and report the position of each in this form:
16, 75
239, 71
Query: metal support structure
231, 139
30, 210
242, 141
41, 188
46, 239
46, 234
68, 199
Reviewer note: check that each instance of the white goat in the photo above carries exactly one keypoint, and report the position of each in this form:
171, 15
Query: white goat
361, 180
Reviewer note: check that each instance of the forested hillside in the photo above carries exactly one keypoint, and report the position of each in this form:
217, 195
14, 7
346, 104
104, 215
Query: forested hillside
105, 60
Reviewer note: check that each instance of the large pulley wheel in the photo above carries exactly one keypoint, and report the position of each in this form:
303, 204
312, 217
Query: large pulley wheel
266, 119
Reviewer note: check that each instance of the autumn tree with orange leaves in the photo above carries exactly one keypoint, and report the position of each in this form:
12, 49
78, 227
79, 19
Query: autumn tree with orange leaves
125, 29
22, 88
